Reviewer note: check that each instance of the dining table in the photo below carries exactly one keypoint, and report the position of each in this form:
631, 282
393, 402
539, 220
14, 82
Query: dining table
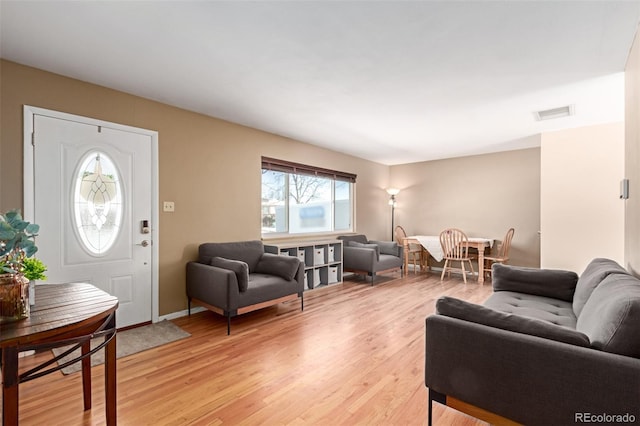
431, 243
64, 314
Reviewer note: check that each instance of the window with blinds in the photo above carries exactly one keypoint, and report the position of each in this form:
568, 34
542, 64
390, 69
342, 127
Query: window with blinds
302, 199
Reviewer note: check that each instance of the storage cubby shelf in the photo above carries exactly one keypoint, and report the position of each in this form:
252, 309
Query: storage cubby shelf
322, 260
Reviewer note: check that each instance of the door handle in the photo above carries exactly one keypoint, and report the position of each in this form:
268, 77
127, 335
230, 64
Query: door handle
144, 243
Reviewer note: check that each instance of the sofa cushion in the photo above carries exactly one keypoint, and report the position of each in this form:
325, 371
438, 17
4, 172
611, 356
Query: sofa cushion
611, 316
240, 268
367, 246
281, 266
556, 284
264, 287
596, 271
247, 251
478, 314
554, 311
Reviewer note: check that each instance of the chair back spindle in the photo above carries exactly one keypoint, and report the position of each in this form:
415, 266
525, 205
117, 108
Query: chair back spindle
400, 234
416, 254
506, 244
455, 246
502, 255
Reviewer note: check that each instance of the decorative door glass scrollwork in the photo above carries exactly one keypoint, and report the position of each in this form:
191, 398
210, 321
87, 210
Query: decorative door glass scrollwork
97, 199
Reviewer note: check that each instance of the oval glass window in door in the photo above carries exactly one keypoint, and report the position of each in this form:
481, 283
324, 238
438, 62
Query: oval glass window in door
97, 202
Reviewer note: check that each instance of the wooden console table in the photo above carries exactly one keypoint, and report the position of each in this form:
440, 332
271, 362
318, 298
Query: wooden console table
64, 314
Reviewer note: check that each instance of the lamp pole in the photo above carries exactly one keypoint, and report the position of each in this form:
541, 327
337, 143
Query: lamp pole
392, 201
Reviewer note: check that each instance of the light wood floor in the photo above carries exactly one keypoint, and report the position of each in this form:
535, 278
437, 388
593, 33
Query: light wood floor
354, 356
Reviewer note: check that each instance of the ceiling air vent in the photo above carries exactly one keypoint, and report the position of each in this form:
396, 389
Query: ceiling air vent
550, 114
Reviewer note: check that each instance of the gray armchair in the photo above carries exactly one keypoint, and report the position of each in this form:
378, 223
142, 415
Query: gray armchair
362, 256
234, 278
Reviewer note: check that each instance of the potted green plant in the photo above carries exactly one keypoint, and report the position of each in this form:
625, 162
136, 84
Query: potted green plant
33, 269
17, 244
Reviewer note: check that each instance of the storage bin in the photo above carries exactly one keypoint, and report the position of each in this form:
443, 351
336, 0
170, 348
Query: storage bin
333, 274
331, 254
318, 256
316, 278
301, 255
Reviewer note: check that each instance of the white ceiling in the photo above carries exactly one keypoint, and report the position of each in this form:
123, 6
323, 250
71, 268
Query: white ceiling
390, 81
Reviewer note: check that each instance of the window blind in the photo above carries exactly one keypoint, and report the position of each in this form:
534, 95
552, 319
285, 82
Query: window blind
304, 169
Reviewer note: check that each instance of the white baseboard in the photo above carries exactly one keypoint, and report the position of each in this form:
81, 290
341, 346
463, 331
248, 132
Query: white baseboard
182, 313
433, 268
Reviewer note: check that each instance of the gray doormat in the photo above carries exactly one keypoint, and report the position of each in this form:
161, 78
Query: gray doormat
128, 342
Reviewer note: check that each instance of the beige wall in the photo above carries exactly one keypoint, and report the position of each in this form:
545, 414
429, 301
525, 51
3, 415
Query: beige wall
210, 168
484, 195
582, 216
632, 158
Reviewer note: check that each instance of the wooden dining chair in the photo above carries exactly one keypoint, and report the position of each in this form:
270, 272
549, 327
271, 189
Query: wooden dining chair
417, 254
501, 255
455, 246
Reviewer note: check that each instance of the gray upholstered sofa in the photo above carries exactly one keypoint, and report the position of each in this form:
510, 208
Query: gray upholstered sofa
547, 348
362, 256
239, 277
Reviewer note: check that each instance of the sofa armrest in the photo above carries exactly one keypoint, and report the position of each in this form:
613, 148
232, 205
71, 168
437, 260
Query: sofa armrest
300, 278
527, 379
557, 284
389, 247
215, 286
358, 259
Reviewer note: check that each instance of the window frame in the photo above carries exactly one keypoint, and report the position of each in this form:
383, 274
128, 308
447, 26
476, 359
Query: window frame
288, 168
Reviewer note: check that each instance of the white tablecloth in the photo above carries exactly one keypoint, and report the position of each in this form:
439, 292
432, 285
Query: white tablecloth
432, 244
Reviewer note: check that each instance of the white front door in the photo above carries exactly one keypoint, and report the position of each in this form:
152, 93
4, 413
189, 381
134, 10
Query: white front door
93, 202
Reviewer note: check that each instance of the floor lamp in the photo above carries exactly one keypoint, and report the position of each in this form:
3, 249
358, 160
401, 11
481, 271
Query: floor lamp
392, 202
